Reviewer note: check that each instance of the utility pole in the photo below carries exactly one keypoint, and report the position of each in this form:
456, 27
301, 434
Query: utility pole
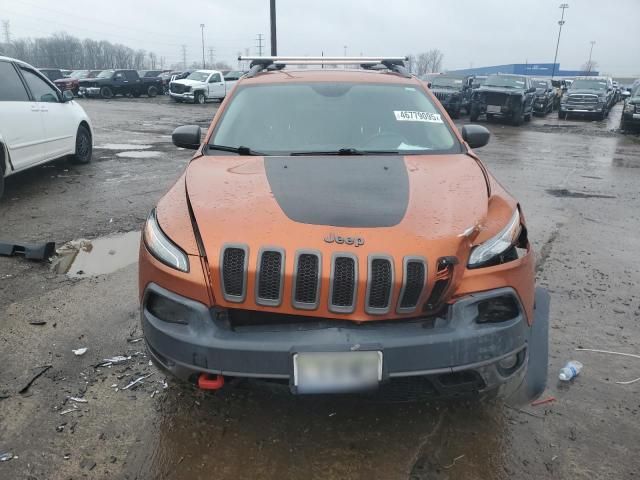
161, 63
274, 40
6, 31
592, 42
259, 45
202, 31
211, 56
561, 23
184, 57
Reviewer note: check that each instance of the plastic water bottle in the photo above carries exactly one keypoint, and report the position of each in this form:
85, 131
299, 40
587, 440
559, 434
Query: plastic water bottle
570, 371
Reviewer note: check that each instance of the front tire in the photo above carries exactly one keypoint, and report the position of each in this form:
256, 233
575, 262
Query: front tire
474, 114
518, 116
152, 91
562, 115
106, 92
199, 98
84, 146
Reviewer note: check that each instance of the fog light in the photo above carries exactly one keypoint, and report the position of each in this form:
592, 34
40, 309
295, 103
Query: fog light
167, 310
507, 363
497, 309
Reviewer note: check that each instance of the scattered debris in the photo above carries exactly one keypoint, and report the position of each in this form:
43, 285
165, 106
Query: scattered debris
6, 456
67, 456
524, 411
69, 410
542, 401
60, 428
43, 369
78, 399
609, 352
80, 351
30, 251
135, 340
453, 462
37, 322
136, 381
570, 371
107, 362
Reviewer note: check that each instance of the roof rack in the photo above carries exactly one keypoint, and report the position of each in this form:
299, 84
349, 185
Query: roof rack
393, 64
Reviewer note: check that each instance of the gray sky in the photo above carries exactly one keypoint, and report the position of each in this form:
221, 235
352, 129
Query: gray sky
469, 32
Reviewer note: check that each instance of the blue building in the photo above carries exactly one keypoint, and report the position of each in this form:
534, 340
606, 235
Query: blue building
534, 69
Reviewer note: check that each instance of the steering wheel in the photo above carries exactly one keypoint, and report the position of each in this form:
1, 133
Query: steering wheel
384, 141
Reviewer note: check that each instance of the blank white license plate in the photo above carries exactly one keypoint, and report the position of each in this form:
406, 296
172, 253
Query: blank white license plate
336, 372
636, 115
493, 108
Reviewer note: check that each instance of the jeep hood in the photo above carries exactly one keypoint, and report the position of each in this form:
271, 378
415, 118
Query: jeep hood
586, 91
506, 91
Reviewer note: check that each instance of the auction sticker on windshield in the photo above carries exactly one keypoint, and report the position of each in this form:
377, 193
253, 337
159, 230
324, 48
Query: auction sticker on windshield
411, 116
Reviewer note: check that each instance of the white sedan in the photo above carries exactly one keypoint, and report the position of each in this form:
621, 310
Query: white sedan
38, 123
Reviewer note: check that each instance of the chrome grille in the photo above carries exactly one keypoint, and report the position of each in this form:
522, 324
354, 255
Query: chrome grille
442, 95
344, 276
269, 277
582, 99
306, 283
414, 279
379, 285
494, 98
638, 108
233, 268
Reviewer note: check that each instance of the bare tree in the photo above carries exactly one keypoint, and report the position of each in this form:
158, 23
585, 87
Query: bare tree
152, 60
428, 62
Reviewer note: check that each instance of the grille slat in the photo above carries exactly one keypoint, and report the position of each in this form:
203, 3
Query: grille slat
343, 288
307, 281
379, 285
269, 277
415, 275
234, 272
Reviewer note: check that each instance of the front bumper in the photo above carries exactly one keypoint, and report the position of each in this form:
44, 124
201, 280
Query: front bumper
185, 97
440, 349
596, 108
89, 91
631, 118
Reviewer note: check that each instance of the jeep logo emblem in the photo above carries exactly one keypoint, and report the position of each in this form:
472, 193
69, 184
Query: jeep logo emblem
332, 238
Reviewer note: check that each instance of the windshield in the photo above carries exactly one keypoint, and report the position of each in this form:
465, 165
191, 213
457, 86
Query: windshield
507, 81
443, 81
328, 117
540, 84
106, 74
589, 84
79, 74
199, 76
233, 75
52, 75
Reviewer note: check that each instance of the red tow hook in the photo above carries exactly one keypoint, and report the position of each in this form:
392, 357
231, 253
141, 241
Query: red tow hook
207, 381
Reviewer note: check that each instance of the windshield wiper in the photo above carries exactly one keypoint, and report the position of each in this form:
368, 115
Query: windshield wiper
346, 151
241, 150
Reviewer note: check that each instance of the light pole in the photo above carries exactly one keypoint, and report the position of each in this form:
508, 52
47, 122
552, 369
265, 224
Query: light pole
202, 29
592, 42
561, 23
274, 38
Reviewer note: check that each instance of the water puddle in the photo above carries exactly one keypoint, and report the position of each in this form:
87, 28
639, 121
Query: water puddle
139, 154
123, 146
86, 258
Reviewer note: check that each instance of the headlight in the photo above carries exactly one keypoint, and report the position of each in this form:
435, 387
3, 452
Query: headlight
498, 244
161, 247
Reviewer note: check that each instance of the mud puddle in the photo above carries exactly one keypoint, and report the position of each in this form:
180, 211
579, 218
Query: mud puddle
139, 154
123, 146
563, 192
86, 258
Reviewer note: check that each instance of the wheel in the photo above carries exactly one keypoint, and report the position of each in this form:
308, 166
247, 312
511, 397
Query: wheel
152, 91
455, 113
489, 117
602, 115
623, 127
474, 114
199, 98
84, 146
1, 178
518, 116
106, 92
562, 115
527, 118
136, 94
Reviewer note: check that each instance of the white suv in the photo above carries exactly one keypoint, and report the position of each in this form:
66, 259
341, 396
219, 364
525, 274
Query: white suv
38, 123
198, 87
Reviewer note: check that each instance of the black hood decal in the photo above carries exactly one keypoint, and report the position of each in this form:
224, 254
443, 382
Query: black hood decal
342, 191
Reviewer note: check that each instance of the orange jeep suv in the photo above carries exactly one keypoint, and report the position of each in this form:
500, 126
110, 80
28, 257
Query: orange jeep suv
336, 231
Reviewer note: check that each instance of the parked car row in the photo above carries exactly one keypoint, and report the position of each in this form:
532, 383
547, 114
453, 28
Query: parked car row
516, 98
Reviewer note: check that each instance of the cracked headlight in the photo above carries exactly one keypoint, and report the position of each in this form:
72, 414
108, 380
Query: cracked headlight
161, 247
503, 241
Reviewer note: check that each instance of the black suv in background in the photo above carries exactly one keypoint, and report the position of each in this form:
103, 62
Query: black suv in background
453, 92
505, 96
109, 83
588, 96
545, 95
631, 110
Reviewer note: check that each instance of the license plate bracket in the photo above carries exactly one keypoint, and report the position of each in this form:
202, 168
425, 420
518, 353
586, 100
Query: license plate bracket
336, 372
493, 108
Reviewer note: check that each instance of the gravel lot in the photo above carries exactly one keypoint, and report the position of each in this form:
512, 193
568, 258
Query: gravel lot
578, 183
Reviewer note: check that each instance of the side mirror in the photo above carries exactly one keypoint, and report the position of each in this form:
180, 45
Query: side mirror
187, 136
475, 135
67, 96
428, 84
532, 90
